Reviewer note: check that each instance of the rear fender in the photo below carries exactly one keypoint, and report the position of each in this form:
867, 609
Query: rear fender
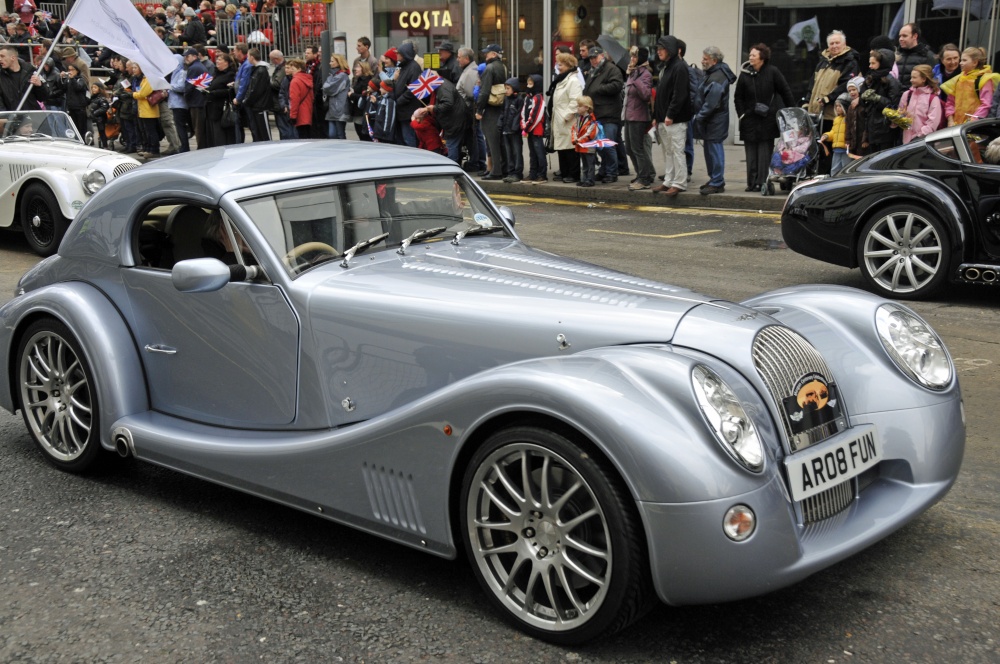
104, 339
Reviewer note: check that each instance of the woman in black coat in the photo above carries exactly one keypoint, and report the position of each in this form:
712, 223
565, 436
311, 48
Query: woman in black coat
760, 83
881, 91
220, 90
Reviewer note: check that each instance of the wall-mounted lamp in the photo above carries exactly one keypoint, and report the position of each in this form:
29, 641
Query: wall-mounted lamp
499, 27
635, 24
521, 23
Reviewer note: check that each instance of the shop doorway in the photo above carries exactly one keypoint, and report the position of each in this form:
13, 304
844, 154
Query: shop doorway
517, 26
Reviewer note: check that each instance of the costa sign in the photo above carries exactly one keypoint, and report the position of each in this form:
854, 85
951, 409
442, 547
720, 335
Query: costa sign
434, 18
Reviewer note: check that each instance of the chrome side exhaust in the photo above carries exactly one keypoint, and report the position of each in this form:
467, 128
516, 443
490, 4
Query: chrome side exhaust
124, 445
977, 273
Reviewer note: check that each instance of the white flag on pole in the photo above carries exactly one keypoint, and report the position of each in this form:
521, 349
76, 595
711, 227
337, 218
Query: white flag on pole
117, 25
805, 31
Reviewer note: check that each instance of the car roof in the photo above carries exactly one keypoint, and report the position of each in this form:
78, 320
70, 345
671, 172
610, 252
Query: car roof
224, 169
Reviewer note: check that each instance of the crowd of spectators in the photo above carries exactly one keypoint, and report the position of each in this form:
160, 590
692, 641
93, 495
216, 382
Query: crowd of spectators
596, 115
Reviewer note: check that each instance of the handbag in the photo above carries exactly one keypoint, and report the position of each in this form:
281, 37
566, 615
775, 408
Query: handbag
761, 109
156, 96
548, 140
496, 95
228, 120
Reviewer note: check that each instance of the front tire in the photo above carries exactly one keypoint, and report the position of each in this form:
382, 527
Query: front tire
58, 397
43, 223
902, 252
553, 538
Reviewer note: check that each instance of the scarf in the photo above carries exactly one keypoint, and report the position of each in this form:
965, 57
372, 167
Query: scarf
559, 79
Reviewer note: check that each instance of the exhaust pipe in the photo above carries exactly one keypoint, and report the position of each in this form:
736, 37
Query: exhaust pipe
972, 274
989, 276
122, 439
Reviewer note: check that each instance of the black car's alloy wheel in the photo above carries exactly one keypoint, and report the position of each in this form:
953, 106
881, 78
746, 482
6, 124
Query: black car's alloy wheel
43, 223
902, 252
552, 537
58, 396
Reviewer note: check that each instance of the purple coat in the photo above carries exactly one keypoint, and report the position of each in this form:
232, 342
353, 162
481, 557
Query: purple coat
638, 88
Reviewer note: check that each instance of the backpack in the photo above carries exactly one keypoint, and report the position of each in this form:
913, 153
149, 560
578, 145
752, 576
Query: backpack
696, 79
384, 126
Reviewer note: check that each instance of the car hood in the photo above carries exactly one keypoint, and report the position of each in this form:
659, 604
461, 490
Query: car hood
519, 301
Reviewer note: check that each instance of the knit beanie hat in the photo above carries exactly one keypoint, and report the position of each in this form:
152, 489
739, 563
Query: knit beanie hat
856, 82
514, 83
642, 56
391, 54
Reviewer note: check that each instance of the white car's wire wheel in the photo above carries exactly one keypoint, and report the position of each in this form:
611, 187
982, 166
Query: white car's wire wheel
553, 538
902, 252
43, 223
58, 397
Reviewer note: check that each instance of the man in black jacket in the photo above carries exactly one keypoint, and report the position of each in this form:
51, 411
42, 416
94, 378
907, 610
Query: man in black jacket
258, 100
671, 114
450, 111
449, 68
195, 97
604, 85
406, 101
911, 53
488, 113
16, 78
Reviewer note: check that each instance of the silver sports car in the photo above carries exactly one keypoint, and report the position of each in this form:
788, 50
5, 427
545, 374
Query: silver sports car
356, 331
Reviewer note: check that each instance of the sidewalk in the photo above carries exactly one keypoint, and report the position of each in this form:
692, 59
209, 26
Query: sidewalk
734, 197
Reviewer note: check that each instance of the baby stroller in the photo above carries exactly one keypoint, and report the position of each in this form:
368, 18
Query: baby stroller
796, 153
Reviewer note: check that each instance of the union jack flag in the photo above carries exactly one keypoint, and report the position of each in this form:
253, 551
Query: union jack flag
201, 81
426, 83
44, 15
599, 144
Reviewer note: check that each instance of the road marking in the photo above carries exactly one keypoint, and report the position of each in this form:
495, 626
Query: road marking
665, 237
694, 211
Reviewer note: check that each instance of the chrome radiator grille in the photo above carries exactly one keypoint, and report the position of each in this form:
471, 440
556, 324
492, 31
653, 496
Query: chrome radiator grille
782, 358
122, 169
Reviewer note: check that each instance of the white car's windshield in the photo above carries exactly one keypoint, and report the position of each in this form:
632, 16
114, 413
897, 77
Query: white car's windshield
312, 226
37, 125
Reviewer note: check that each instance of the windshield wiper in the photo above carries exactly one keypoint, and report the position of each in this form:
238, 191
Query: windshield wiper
418, 235
361, 247
476, 229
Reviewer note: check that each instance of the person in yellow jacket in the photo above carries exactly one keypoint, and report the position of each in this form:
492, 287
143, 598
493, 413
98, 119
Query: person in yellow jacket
970, 94
836, 137
149, 114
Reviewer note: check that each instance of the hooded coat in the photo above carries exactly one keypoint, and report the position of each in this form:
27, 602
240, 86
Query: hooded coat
335, 89
881, 91
409, 70
765, 86
673, 98
638, 91
831, 77
450, 110
711, 121
300, 99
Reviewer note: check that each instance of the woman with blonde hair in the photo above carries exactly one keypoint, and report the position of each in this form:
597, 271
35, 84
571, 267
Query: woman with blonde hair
921, 104
149, 114
970, 94
335, 94
565, 90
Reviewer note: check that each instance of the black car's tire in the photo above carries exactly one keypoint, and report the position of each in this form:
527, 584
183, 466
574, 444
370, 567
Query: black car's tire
902, 252
553, 537
58, 397
43, 223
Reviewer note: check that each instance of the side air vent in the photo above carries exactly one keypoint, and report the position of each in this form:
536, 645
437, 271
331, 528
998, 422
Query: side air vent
392, 497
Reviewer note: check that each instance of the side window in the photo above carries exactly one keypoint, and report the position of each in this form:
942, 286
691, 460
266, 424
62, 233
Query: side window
172, 233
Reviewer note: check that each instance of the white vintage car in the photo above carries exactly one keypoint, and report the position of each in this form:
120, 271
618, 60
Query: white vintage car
47, 173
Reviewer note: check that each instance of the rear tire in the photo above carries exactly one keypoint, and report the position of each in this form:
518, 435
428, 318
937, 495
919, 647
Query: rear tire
58, 397
43, 223
553, 538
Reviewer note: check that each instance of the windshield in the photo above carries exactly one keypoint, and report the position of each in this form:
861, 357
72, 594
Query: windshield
37, 125
312, 226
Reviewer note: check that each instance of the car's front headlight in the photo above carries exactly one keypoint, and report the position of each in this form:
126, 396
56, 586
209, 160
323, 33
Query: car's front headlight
93, 181
915, 348
727, 418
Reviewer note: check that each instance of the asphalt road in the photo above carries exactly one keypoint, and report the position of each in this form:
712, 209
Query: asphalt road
144, 564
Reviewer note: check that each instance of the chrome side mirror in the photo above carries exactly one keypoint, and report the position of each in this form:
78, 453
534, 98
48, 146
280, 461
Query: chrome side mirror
200, 275
507, 213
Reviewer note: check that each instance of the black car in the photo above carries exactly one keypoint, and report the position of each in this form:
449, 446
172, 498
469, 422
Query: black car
912, 217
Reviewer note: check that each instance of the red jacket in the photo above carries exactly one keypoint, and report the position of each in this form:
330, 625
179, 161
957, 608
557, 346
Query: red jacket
300, 99
533, 116
582, 131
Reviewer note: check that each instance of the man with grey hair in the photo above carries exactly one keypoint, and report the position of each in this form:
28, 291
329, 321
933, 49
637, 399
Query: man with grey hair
838, 64
711, 121
286, 130
474, 140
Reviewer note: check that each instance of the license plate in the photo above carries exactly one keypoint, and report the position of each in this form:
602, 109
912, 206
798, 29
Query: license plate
826, 465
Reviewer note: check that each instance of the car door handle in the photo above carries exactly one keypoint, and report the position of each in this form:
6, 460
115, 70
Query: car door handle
160, 348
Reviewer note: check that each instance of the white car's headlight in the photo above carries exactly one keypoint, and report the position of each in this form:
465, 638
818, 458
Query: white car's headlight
727, 418
93, 181
915, 348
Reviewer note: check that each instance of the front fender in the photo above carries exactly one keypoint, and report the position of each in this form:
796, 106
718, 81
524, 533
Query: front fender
103, 337
64, 185
824, 219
